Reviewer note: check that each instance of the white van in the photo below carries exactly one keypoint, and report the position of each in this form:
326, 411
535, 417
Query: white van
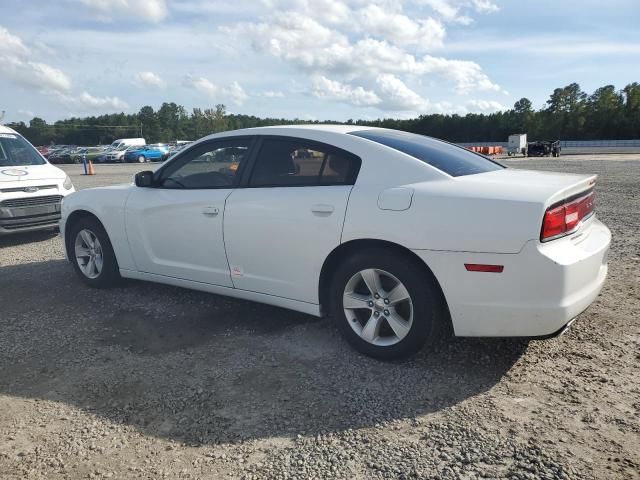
123, 143
115, 151
31, 189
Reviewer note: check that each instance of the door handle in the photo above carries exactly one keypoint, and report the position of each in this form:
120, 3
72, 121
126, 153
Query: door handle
322, 208
210, 211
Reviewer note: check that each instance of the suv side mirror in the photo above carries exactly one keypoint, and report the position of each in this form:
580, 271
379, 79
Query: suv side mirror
144, 179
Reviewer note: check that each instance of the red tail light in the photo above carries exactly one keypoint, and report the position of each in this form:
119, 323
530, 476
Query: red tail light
563, 219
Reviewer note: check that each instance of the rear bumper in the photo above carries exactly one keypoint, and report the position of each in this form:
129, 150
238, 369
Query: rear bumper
542, 288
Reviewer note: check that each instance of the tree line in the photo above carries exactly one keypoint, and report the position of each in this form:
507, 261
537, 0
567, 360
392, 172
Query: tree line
569, 114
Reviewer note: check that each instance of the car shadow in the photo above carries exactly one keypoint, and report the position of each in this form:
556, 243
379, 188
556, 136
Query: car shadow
204, 369
28, 237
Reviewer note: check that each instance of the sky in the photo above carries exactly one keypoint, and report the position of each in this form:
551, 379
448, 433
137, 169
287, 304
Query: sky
308, 59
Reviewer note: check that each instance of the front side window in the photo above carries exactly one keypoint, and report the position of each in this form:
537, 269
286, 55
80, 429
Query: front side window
206, 166
451, 159
296, 162
15, 151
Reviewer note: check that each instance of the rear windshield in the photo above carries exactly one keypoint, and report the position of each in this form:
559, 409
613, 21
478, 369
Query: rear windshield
451, 159
15, 151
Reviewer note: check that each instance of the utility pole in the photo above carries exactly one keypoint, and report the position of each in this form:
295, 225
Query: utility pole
1, 116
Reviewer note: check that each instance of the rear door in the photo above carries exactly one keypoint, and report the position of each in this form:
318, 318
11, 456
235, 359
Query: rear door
281, 226
175, 227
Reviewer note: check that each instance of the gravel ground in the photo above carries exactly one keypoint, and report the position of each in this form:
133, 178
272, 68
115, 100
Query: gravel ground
150, 381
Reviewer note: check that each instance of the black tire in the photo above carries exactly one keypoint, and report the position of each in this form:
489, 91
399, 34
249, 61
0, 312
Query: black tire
430, 315
142, 159
110, 274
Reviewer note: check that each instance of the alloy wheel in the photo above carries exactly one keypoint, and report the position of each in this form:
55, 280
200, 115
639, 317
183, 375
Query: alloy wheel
378, 307
89, 254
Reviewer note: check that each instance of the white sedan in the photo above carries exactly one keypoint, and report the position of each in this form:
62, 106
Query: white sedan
397, 236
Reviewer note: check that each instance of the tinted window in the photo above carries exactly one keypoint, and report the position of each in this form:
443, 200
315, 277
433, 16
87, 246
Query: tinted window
207, 166
293, 162
16, 151
451, 159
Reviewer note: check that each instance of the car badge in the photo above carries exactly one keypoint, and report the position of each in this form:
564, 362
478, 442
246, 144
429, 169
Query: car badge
30, 189
14, 172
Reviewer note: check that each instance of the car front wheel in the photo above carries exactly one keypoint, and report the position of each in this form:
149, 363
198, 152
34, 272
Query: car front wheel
385, 304
92, 254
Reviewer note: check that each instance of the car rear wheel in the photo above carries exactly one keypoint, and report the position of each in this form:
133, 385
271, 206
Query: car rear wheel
141, 159
385, 304
92, 255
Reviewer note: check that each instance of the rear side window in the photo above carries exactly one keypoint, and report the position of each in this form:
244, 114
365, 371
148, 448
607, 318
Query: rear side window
294, 162
15, 151
451, 159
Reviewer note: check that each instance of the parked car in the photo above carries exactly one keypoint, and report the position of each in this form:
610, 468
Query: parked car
163, 147
43, 150
116, 155
143, 154
88, 153
175, 148
397, 236
31, 189
62, 155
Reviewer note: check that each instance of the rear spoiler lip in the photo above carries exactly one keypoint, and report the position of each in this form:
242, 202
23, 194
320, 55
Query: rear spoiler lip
573, 197
572, 192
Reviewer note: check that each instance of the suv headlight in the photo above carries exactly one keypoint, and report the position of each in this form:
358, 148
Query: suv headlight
67, 184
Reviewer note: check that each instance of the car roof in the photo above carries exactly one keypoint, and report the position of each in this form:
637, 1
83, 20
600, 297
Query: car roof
291, 130
4, 129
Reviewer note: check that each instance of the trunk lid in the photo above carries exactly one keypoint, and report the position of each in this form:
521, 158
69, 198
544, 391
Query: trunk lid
547, 188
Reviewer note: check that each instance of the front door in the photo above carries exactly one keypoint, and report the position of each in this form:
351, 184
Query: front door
175, 227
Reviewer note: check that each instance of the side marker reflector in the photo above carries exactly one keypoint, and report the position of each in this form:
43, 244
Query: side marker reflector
478, 267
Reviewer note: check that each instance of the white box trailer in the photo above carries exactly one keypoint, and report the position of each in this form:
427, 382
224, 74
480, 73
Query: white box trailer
517, 144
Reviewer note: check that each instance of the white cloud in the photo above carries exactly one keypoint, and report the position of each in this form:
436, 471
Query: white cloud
16, 65
147, 10
233, 93
485, 6
386, 55
332, 12
372, 54
467, 76
447, 10
86, 101
35, 75
400, 29
450, 10
334, 90
148, 79
485, 106
397, 96
391, 94
10, 44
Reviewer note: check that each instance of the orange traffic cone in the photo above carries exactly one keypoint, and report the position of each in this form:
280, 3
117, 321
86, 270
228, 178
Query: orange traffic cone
91, 170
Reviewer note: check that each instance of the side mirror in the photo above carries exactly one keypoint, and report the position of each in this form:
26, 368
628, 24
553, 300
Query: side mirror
144, 179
